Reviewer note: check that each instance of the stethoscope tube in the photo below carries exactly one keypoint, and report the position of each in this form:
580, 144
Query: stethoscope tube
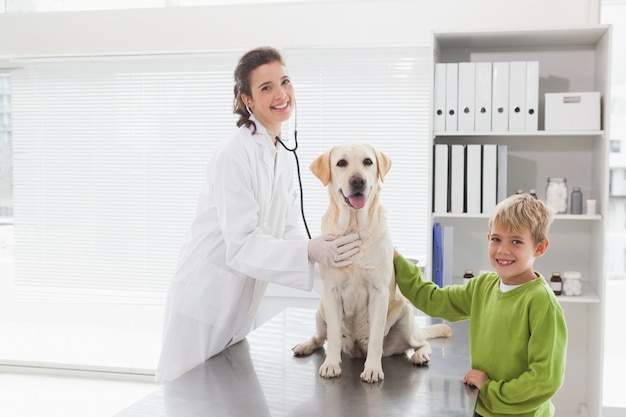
295, 154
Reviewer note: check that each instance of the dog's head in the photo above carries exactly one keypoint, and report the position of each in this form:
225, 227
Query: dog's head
352, 172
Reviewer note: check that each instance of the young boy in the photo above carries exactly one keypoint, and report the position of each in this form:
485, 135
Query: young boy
518, 336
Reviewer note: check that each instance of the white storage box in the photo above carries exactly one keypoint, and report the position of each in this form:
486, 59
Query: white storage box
572, 111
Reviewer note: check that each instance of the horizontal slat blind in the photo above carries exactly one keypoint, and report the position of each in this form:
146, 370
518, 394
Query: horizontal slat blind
6, 163
109, 156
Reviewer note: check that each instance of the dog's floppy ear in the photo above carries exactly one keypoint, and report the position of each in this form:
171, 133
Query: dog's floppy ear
321, 168
384, 165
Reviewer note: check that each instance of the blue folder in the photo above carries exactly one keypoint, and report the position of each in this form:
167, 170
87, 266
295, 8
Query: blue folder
437, 255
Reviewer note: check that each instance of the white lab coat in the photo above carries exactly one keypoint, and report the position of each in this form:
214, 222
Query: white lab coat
245, 234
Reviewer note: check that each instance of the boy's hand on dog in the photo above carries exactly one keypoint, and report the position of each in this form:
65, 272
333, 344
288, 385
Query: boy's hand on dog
335, 251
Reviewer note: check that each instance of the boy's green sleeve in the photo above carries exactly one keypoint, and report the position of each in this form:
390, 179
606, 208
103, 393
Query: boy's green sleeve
449, 303
409, 278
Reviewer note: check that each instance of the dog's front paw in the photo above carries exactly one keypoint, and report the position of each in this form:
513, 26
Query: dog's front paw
420, 358
330, 370
304, 349
372, 375
422, 354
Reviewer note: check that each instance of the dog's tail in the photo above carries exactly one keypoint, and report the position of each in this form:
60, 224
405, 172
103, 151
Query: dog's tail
437, 330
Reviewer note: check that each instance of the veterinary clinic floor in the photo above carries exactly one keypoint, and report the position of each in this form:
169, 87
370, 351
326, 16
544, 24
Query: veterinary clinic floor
31, 395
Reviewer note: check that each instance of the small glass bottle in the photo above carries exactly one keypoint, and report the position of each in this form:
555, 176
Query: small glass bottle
556, 283
556, 194
576, 201
533, 193
469, 274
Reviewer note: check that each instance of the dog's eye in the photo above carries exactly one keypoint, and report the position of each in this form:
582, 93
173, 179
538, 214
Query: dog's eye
367, 162
342, 163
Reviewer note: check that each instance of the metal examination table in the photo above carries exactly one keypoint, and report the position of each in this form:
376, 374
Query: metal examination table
260, 377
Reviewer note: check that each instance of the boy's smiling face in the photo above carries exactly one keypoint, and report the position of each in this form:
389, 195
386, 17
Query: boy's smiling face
512, 254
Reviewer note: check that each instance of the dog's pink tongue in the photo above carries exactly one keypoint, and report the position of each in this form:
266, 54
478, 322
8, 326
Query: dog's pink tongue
357, 201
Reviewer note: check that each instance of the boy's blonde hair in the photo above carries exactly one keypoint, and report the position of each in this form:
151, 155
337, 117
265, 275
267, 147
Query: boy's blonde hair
523, 213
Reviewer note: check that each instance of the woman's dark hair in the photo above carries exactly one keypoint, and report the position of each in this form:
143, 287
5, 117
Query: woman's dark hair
250, 61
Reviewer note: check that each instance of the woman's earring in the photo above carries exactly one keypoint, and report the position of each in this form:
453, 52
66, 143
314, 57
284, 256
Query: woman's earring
248, 108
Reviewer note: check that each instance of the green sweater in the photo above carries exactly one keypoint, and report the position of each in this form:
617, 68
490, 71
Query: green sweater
519, 338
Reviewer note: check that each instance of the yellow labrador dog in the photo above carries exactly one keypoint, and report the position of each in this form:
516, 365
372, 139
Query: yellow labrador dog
361, 312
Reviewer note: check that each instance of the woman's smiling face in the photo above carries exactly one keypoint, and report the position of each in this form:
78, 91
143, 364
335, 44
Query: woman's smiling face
272, 98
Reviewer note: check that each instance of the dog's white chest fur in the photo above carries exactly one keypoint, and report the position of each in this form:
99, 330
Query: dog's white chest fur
371, 270
353, 293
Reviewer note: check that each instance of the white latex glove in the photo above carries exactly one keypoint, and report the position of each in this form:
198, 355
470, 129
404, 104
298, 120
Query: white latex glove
328, 250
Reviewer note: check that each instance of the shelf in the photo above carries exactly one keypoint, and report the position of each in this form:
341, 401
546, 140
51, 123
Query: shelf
462, 215
570, 59
588, 296
515, 39
534, 133
565, 217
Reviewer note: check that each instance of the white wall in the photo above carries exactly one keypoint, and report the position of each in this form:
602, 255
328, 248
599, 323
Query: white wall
301, 24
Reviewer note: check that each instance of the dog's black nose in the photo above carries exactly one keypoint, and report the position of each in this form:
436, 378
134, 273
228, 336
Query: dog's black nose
357, 182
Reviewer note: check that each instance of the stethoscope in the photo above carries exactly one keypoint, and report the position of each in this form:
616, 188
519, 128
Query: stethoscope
295, 155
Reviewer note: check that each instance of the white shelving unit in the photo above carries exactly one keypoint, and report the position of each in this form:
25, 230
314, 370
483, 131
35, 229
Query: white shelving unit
570, 60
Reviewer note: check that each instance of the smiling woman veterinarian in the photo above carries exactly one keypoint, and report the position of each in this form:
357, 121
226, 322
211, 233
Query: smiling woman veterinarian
246, 230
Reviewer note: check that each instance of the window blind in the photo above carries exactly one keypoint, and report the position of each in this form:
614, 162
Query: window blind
6, 163
110, 154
